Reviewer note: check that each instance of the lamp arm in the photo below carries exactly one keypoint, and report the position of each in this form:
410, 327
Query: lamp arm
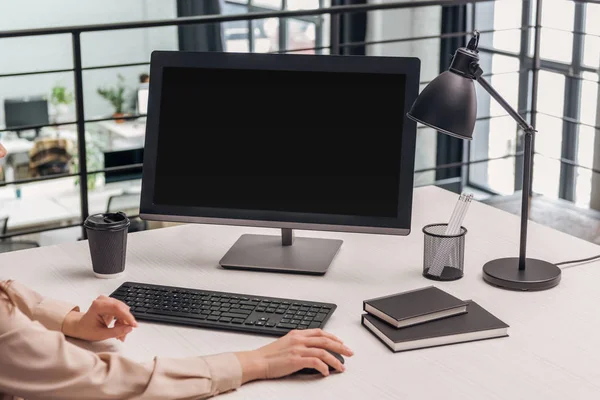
527, 161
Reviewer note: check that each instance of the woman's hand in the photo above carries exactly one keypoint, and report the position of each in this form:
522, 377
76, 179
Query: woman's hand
95, 324
297, 350
2, 151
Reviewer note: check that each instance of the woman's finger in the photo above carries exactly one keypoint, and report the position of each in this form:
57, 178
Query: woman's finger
320, 332
114, 307
314, 362
328, 344
115, 332
324, 356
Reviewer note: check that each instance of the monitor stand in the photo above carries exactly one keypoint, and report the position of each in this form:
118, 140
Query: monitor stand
282, 254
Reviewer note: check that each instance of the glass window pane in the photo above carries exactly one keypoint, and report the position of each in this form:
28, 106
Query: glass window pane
559, 14
591, 51
592, 16
583, 186
266, 35
274, 4
507, 15
589, 102
503, 64
548, 140
508, 86
236, 33
495, 137
301, 35
585, 146
551, 93
556, 45
546, 175
302, 4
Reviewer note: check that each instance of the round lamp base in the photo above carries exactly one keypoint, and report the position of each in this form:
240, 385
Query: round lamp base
505, 273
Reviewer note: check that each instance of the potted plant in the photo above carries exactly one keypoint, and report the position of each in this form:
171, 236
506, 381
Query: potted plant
116, 97
60, 98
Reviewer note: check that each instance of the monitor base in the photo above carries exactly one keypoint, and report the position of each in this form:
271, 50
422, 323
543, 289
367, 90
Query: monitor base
281, 254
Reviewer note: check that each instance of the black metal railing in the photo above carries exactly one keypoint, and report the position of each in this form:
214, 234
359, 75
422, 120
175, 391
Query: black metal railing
335, 46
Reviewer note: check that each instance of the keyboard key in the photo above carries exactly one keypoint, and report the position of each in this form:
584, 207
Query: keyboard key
285, 320
234, 315
295, 321
320, 317
287, 326
304, 323
225, 319
260, 309
237, 321
314, 325
279, 311
270, 310
250, 322
260, 323
213, 318
270, 324
247, 307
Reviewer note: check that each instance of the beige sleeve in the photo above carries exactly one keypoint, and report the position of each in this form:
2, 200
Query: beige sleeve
49, 312
37, 363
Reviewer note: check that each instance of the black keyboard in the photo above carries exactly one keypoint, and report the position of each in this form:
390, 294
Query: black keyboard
220, 310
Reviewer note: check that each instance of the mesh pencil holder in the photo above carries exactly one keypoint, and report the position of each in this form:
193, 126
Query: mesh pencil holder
444, 255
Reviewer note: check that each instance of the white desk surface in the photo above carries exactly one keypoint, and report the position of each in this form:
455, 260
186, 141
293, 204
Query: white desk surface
553, 351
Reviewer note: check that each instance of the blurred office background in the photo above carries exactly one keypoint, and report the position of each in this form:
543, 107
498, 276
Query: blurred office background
543, 56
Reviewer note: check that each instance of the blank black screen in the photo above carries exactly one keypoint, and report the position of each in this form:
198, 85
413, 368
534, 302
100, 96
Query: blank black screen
292, 141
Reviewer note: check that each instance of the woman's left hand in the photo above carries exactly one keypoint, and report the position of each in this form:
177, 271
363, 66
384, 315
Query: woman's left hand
95, 324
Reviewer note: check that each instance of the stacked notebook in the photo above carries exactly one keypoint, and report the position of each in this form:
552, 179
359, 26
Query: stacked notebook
428, 317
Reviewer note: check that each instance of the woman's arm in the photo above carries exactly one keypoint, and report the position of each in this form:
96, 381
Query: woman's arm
56, 315
48, 312
37, 363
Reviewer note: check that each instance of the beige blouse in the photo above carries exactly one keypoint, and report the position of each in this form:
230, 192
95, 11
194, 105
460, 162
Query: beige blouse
37, 362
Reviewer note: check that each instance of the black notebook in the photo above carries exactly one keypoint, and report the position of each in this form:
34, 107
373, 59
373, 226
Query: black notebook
415, 307
476, 324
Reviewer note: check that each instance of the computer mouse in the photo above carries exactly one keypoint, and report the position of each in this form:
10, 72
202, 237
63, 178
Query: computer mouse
310, 371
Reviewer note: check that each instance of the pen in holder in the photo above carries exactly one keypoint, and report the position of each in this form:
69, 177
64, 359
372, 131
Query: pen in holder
444, 244
444, 254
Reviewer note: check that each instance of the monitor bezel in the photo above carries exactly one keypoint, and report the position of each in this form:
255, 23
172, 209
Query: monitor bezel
400, 225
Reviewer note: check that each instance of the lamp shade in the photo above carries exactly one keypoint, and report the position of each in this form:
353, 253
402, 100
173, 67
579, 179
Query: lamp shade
447, 104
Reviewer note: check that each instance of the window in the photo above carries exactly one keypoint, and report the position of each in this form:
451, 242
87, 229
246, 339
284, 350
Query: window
566, 103
274, 34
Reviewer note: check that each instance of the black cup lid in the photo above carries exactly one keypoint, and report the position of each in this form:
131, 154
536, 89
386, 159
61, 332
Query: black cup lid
107, 221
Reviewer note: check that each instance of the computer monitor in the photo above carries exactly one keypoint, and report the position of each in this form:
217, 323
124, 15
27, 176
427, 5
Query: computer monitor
309, 142
24, 112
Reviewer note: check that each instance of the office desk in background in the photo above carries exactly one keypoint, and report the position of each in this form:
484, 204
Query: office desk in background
553, 351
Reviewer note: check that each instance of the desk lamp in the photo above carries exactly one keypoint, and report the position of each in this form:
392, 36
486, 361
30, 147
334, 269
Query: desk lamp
449, 105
